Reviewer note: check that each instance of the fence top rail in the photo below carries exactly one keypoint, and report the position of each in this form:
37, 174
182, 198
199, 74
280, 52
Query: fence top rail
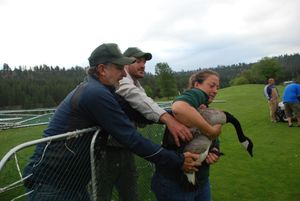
10, 119
19, 147
22, 111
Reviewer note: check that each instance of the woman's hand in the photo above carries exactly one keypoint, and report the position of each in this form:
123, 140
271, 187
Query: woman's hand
212, 156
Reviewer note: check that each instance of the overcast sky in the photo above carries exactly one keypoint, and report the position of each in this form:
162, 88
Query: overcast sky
187, 34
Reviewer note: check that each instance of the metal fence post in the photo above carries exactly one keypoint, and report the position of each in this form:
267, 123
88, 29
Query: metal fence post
93, 166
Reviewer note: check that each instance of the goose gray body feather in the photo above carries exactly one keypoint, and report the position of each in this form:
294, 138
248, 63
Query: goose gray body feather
201, 143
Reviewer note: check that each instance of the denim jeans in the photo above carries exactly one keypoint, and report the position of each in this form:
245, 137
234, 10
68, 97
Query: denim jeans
45, 192
169, 190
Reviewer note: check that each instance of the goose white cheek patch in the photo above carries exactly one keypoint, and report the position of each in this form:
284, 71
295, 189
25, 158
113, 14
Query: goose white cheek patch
245, 144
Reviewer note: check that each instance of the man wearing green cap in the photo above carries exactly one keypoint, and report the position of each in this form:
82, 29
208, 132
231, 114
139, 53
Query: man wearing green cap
61, 170
120, 169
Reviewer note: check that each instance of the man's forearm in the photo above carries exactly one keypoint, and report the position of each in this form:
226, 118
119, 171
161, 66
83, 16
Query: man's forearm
165, 118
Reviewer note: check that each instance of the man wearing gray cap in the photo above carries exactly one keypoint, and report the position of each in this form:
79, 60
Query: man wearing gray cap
120, 169
61, 170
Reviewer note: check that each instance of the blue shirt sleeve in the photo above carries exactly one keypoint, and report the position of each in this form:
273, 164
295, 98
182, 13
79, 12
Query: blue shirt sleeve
102, 107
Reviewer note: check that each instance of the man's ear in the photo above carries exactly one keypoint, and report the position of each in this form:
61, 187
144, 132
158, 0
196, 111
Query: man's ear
196, 84
100, 70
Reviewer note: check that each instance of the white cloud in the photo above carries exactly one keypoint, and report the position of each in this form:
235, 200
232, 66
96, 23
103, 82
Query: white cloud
185, 34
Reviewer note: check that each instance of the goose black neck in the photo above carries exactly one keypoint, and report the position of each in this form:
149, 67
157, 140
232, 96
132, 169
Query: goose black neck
239, 131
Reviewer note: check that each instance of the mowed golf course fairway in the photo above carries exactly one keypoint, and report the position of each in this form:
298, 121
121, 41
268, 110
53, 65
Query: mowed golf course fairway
272, 174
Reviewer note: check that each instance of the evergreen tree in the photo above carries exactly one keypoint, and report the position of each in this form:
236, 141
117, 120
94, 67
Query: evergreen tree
28, 87
6, 67
166, 80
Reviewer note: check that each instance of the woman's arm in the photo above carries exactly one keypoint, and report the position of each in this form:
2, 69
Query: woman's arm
190, 117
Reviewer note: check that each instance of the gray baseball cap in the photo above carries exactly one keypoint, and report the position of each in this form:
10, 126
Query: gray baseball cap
109, 53
137, 53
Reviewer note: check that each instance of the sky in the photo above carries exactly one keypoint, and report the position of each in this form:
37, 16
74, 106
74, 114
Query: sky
186, 34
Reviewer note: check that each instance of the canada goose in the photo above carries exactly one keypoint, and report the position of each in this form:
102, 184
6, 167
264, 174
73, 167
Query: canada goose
201, 144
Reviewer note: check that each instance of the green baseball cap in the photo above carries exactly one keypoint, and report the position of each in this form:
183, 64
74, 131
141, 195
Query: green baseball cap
109, 53
137, 53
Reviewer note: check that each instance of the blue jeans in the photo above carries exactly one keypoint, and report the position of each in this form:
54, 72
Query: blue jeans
169, 190
51, 193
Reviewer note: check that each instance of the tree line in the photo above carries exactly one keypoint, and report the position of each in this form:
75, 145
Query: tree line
46, 86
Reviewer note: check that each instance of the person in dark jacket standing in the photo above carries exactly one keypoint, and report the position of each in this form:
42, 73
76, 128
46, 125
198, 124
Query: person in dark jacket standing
64, 174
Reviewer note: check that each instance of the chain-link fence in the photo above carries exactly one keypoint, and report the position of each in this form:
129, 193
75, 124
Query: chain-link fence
12, 177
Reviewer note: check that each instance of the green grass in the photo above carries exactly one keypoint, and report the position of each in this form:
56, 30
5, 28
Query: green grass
9, 139
274, 171
12, 137
273, 174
